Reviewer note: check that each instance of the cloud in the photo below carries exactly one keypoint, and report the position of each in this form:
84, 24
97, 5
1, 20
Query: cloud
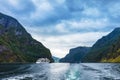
114, 11
87, 24
60, 45
14, 3
94, 12
55, 22
42, 9
73, 26
19, 7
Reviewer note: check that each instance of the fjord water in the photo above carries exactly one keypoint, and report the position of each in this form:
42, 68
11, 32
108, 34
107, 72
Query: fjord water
60, 71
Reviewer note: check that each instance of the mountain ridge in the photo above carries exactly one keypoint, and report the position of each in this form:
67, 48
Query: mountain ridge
103, 47
17, 45
106, 49
75, 55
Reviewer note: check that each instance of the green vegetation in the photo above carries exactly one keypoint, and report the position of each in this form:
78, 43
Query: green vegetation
106, 49
16, 45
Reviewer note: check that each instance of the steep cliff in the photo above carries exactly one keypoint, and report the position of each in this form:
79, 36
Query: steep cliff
16, 45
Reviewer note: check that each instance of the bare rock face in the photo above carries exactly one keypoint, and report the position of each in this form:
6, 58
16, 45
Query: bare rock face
8, 21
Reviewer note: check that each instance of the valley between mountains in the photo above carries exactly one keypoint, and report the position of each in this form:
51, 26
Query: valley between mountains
17, 45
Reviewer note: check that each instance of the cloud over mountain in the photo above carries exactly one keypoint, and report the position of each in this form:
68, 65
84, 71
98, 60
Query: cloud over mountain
56, 22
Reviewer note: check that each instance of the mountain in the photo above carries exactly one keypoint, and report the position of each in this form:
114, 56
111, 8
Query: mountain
106, 49
56, 59
75, 55
17, 45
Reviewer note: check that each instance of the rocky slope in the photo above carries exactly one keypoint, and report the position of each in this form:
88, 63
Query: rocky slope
16, 45
106, 49
75, 55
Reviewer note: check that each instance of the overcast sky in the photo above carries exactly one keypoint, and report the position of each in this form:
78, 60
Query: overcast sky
64, 24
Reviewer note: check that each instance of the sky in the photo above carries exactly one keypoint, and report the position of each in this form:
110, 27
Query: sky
64, 24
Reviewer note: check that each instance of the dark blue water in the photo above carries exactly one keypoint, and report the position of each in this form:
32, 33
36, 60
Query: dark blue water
60, 71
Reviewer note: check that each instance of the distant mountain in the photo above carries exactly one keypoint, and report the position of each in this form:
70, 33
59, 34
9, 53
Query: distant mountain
16, 45
56, 59
75, 55
106, 49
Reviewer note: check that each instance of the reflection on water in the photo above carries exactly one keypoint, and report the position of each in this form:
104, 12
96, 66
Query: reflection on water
60, 71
